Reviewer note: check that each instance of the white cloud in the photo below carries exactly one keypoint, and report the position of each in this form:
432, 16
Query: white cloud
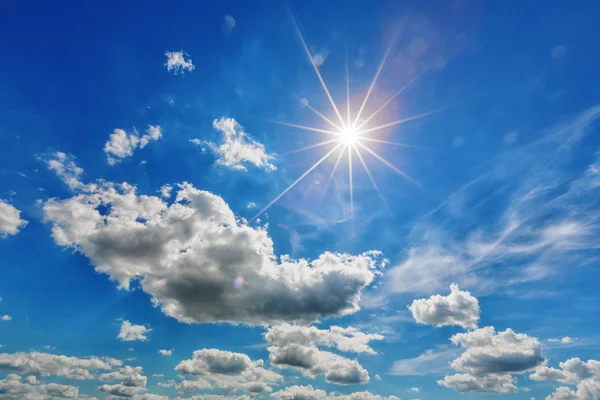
14, 387
121, 144
132, 381
490, 359
564, 340
130, 332
547, 216
310, 393
588, 389
295, 347
572, 371
10, 220
251, 205
45, 364
415, 390
176, 62
165, 352
237, 148
165, 191
458, 308
65, 168
377, 377
188, 255
465, 383
6, 317
226, 370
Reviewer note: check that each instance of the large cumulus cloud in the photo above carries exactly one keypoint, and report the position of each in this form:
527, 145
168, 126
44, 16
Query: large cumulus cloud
200, 263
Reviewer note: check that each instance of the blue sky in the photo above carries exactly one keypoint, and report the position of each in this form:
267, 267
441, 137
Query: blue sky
146, 251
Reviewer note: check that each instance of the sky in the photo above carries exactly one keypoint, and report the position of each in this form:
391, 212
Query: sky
299, 200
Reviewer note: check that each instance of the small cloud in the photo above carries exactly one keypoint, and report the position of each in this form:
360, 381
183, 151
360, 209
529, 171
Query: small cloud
158, 375
237, 148
165, 191
48, 347
6, 317
251, 205
228, 24
10, 220
165, 352
377, 377
121, 144
176, 62
565, 340
130, 332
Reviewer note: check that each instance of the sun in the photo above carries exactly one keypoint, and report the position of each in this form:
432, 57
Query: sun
349, 135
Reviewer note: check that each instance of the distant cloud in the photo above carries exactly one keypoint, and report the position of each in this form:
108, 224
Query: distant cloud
565, 340
310, 393
377, 377
6, 317
490, 359
458, 308
45, 364
296, 347
165, 352
415, 390
176, 62
237, 148
251, 205
10, 220
65, 168
131, 381
226, 370
14, 386
130, 332
121, 144
585, 375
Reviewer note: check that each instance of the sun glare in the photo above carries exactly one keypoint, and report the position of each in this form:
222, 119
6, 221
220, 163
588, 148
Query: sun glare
349, 135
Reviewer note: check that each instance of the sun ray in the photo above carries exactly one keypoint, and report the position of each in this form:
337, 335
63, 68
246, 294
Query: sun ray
312, 62
308, 171
351, 189
379, 69
347, 89
308, 128
360, 157
320, 114
391, 166
384, 105
337, 162
412, 146
308, 147
401, 121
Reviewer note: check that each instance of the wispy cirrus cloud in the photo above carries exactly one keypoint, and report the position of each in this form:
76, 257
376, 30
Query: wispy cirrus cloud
532, 213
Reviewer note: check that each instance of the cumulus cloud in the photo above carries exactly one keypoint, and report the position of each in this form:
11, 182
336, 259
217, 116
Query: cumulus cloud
490, 359
187, 255
15, 387
165, 191
130, 332
295, 347
63, 165
132, 381
45, 364
164, 352
544, 217
458, 308
121, 144
177, 62
237, 149
10, 220
310, 393
226, 370
585, 375
6, 317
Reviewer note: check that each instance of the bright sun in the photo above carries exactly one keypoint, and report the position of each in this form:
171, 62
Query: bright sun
349, 135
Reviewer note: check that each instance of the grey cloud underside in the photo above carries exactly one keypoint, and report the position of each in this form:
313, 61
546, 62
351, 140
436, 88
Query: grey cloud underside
458, 308
188, 253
